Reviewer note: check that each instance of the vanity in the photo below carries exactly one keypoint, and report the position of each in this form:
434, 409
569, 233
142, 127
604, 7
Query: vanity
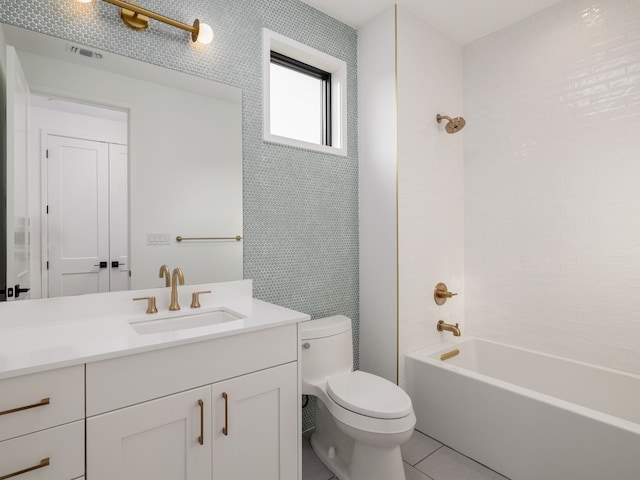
212, 392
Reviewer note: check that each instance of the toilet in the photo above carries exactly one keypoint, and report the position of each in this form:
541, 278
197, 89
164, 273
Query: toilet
361, 419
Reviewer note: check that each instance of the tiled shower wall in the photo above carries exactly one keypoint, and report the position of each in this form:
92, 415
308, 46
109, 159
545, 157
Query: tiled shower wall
552, 183
300, 207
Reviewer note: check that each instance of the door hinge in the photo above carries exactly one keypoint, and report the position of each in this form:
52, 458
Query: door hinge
47, 153
47, 264
47, 209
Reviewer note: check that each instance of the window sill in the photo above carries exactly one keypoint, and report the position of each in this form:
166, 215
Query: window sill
292, 142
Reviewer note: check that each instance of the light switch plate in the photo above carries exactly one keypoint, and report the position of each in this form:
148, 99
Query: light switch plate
158, 238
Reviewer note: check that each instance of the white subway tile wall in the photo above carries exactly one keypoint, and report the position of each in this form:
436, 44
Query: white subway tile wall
552, 183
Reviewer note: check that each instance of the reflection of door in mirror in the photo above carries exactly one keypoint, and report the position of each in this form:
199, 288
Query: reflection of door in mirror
87, 252
17, 275
84, 197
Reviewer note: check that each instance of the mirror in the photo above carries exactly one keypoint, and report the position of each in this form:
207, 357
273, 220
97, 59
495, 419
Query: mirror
179, 139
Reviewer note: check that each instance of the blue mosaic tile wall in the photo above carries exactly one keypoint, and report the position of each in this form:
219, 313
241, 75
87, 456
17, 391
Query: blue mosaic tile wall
300, 207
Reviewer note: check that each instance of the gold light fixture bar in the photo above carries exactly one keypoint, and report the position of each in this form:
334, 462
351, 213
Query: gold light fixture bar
137, 17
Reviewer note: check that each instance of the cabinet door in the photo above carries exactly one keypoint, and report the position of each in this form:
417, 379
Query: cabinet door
157, 440
258, 413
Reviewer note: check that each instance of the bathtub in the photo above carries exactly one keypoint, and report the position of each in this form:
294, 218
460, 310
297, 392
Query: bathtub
528, 415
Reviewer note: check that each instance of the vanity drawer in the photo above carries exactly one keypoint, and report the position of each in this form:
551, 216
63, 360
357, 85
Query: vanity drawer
124, 381
52, 454
41, 400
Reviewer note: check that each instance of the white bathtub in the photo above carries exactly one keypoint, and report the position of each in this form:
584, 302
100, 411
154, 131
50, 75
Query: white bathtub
528, 415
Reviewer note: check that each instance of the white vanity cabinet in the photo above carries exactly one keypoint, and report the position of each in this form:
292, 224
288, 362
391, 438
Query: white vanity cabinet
159, 440
42, 425
161, 414
254, 426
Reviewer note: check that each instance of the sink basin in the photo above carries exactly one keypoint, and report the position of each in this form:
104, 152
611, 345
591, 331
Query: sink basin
182, 322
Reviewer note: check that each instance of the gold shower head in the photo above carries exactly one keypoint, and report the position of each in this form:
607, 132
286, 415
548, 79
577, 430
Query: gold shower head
453, 125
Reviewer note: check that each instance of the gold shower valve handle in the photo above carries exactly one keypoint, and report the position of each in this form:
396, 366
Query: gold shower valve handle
195, 298
442, 293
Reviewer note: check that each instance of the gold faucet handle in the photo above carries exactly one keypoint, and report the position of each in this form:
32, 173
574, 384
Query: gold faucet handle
151, 304
195, 298
442, 293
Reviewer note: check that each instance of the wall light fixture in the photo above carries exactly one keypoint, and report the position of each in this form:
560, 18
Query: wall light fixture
137, 17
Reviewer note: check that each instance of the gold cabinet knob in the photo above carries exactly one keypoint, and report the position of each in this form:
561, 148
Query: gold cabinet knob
195, 298
442, 293
151, 304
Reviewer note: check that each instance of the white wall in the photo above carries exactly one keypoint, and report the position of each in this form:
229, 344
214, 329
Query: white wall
411, 188
552, 177
377, 147
430, 183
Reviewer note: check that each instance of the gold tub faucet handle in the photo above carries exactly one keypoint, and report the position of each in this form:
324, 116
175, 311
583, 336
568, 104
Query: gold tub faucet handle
442, 293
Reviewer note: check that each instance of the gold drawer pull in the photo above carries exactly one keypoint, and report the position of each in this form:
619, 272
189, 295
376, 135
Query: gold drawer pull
225, 429
201, 437
41, 403
43, 463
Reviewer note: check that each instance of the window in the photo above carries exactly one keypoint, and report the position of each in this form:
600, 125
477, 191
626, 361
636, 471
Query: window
300, 100
304, 96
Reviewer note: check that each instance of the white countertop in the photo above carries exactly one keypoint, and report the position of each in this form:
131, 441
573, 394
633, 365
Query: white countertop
39, 335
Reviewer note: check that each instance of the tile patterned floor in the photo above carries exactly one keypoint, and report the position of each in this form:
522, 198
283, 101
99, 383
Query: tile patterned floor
424, 459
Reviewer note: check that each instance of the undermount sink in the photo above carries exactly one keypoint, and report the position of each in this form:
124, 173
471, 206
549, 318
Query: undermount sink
184, 321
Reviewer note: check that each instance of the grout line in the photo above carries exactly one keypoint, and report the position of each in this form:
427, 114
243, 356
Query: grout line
417, 470
427, 456
476, 461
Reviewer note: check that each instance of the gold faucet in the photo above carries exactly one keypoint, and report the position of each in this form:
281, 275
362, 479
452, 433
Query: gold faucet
164, 272
455, 329
176, 277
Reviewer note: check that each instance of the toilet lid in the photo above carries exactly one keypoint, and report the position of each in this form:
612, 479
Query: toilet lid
369, 395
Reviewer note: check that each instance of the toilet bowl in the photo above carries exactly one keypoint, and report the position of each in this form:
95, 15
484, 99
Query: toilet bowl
361, 419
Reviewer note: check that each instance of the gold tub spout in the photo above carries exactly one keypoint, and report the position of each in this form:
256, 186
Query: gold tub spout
455, 329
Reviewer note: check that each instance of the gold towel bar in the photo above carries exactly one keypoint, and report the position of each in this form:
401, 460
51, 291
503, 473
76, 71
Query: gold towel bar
236, 238
448, 355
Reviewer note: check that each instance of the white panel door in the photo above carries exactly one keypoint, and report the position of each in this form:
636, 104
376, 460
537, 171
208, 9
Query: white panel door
156, 440
259, 416
118, 219
78, 216
18, 226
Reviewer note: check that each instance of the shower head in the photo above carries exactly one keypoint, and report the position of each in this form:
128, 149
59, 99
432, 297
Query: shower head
453, 125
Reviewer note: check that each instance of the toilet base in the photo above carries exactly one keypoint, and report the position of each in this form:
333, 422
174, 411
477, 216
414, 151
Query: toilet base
351, 460
366, 463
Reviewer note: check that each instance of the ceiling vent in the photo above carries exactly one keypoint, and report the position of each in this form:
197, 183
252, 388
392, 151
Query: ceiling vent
83, 52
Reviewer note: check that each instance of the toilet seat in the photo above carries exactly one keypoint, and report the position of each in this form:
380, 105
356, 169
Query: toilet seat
369, 395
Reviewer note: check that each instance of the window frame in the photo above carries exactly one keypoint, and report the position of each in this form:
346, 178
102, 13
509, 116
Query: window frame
306, 56
317, 73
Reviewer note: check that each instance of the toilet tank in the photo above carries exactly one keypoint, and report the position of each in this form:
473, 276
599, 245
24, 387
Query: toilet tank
327, 348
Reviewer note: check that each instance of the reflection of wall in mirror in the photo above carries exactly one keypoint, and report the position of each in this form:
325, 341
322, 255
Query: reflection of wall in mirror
185, 174
3, 181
